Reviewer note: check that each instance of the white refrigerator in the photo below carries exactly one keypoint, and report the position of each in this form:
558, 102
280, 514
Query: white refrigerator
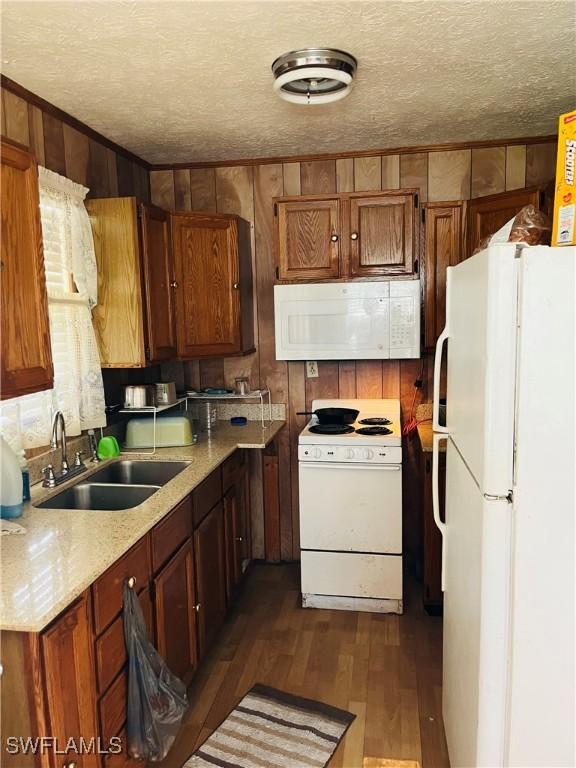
508, 564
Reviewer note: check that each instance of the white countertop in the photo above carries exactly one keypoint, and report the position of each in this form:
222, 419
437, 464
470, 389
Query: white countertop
64, 551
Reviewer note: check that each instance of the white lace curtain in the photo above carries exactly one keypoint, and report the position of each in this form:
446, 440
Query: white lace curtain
71, 279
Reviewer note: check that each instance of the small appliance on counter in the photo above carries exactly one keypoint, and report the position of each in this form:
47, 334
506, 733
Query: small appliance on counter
165, 393
139, 396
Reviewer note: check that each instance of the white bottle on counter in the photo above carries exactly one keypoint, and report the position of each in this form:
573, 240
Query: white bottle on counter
10, 482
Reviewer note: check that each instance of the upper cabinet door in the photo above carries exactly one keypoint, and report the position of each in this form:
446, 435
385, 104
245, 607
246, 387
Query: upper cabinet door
119, 316
309, 239
382, 235
443, 233
25, 346
487, 214
159, 283
208, 276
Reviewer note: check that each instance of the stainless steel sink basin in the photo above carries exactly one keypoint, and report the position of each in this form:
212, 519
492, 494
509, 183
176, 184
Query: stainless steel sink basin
100, 496
128, 472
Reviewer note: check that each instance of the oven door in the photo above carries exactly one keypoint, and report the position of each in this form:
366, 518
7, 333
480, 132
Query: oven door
351, 507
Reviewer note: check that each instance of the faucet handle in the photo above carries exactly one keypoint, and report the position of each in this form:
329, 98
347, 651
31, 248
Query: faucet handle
78, 459
49, 476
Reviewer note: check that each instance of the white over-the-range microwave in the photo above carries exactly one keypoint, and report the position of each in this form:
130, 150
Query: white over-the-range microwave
371, 320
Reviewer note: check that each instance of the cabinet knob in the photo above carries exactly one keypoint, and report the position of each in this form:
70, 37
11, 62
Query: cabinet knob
354, 236
131, 582
235, 286
334, 238
71, 764
239, 538
197, 607
173, 284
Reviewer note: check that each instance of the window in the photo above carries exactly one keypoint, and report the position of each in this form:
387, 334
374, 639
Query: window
71, 280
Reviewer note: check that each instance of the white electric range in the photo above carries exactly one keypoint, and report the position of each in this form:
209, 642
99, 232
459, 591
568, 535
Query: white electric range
351, 509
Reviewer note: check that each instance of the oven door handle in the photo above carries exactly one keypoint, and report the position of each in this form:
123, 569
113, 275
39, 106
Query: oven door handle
353, 465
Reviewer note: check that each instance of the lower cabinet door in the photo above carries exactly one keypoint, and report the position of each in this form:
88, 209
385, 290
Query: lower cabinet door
233, 539
210, 576
70, 683
175, 608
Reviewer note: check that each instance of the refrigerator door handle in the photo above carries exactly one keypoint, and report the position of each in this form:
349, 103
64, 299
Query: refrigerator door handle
444, 336
436, 498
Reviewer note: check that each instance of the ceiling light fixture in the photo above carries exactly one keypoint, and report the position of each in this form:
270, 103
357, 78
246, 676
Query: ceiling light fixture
314, 75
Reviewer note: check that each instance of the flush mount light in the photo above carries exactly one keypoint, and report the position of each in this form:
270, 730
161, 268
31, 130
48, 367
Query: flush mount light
314, 75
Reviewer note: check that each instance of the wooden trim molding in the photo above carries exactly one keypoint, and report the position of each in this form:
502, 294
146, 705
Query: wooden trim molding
10, 85
352, 154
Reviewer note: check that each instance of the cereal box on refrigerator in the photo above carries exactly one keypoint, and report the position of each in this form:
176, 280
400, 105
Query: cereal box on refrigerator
564, 227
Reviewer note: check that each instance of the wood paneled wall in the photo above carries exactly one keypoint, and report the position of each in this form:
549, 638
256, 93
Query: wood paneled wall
61, 145
248, 190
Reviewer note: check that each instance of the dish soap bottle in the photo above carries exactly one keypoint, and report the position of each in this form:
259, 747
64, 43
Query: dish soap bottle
25, 476
11, 484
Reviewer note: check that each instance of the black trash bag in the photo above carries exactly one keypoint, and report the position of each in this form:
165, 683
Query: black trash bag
156, 698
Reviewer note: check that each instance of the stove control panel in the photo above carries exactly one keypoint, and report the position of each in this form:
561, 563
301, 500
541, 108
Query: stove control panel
346, 454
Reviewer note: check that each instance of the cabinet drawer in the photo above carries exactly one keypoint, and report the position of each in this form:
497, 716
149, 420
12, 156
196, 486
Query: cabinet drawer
207, 495
107, 590
230, 470
111, 647
113, 708
171, 533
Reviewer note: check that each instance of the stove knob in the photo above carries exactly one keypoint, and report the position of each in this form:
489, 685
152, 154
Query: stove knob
317, 453
350, 453
368, 453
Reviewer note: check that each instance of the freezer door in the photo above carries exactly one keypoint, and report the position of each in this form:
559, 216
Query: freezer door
481, 329
477, 555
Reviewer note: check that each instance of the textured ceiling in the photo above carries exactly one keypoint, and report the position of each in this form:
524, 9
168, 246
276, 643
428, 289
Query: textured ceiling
191, 81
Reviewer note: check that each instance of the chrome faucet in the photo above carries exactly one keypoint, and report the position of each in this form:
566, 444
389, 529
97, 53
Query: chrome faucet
51, 479
59, 419
95, 459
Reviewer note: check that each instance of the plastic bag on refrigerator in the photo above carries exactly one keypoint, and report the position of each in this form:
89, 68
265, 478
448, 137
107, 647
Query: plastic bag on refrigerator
156, 697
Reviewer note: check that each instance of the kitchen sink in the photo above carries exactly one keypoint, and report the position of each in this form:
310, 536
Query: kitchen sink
128, 472
100, 496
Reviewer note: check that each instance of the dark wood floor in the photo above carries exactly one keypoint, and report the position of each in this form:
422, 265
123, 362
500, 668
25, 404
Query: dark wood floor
384, 668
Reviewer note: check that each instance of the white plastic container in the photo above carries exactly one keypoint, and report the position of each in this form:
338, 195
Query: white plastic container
171, 431
10, 482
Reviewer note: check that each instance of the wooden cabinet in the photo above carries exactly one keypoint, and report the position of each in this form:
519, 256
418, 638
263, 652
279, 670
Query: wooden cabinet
175, 610
233, 530
431, 536
134, 319
485, 215
70, 681
308, 239
210, 576
159, 282
108, 590
381, 235
347, 236
443, 238
25, 337
214, 306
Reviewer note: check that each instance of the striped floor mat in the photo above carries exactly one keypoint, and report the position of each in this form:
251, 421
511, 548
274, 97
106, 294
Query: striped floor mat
273, 729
